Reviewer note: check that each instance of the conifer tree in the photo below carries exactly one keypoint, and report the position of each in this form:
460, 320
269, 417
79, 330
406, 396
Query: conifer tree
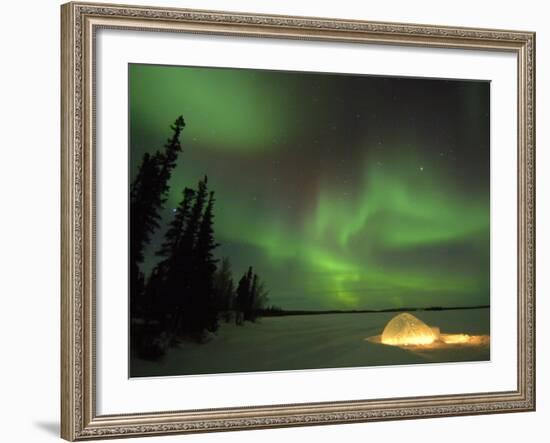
189, 236
173, 255
224, 287
170, 248
241, 299
180, 249
205, 268
251, 296
147, 197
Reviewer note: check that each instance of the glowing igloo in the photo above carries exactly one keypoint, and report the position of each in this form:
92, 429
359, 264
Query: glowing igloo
407, 330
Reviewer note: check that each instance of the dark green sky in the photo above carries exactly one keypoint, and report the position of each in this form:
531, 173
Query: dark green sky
343, 191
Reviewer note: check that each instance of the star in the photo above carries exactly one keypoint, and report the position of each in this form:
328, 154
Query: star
421, 168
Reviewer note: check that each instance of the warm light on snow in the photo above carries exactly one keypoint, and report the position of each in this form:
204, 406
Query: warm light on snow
406, 330
455, 338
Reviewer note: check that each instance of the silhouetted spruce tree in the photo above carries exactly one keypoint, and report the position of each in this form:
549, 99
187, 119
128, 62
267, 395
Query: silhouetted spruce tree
144, 219
147, 197
251, 297
224, 290
153, 287
243, 289
202, 292
173, 261
181, 268
174, 234
249, 302
253, 302
243, 297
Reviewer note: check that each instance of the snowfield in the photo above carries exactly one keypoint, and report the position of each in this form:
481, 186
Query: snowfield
315, 341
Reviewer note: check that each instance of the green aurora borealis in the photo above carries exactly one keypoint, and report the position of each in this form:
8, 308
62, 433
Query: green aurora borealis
343, 191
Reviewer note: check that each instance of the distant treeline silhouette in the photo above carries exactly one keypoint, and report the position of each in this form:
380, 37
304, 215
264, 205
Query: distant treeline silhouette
275, 311
187, 293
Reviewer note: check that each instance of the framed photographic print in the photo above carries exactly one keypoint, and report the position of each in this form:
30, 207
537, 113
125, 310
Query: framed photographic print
282, 221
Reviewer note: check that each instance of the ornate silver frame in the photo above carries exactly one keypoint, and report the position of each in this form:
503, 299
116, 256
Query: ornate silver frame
80, 21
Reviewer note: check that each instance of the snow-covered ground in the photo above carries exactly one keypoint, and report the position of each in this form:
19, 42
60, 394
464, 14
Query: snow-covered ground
315, 341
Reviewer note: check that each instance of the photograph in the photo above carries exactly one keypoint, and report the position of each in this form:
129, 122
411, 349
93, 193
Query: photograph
285, 220
282, 218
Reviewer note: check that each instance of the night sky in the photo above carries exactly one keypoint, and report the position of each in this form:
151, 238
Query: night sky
343, 191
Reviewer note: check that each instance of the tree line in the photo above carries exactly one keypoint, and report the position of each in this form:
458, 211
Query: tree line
188, 292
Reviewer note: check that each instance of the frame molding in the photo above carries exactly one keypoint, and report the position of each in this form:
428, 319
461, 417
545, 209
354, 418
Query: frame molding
79, 22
